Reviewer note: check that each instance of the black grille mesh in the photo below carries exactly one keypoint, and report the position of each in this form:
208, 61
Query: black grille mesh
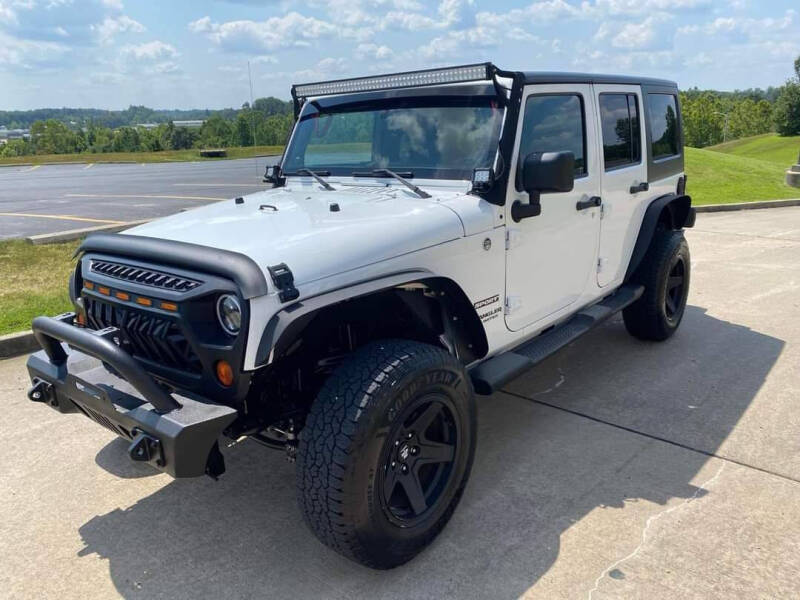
144, 276
148, 335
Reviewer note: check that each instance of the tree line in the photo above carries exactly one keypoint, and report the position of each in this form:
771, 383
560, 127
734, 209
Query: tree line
267, 122
709, 117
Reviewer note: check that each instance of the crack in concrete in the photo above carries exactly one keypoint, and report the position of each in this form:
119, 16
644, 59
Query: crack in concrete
647, 525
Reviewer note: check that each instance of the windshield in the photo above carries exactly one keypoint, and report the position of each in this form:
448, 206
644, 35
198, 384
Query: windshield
432, 138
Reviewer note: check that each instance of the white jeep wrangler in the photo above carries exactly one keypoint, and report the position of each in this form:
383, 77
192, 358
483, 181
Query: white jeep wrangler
428, 236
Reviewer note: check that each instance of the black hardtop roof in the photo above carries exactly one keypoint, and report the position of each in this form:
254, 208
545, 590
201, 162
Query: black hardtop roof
567, 77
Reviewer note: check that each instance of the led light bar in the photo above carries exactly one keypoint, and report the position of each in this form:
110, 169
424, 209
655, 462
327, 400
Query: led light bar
479, 72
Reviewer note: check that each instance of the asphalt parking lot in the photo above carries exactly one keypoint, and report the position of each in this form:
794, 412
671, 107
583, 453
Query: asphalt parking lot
50, 198
616, 469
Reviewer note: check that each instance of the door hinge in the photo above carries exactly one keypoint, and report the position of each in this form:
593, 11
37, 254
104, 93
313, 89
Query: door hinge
513, 237
513, 304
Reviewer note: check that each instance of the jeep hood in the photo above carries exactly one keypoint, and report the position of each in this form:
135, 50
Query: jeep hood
301, 228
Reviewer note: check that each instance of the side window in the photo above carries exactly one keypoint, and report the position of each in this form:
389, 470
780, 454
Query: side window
555, 123
664, 125
619, 116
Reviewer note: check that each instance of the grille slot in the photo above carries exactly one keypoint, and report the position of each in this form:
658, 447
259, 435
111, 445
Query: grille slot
148, 336
151, 277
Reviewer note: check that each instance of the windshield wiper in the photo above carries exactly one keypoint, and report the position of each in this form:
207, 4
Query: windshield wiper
400, 178
316, 176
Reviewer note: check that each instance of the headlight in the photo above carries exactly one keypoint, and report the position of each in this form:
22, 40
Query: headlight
229, 313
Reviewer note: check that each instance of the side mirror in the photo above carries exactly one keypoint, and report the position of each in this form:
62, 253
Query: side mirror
543, 172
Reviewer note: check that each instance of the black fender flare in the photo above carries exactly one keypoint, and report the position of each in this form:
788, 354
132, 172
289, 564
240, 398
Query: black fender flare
671, 210
286, 323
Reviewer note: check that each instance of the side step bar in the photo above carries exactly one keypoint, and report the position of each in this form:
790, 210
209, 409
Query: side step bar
491, 375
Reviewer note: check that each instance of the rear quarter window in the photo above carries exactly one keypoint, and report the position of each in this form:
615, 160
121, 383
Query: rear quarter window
664, 126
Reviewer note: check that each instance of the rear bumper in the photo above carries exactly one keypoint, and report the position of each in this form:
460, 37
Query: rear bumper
176, 434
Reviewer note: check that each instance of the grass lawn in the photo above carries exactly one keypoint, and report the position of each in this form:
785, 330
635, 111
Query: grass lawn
140, 157
737, 174
34, 282
770, 147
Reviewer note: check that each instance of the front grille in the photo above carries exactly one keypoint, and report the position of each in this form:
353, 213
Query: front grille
151, 277
147, 335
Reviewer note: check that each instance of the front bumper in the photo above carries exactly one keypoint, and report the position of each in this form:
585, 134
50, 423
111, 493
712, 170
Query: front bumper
81, 370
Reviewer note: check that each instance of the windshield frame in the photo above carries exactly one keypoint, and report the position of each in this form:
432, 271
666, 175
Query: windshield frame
457, 95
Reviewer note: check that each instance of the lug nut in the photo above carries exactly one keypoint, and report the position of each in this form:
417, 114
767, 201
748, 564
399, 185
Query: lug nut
394, 464
409, 435
396, 443
414, 450
404, 469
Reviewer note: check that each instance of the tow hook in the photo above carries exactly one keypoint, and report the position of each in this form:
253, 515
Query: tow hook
145, 448
41, 391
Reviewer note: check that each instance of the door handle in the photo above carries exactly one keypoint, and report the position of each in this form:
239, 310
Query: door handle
589, 203
642, 187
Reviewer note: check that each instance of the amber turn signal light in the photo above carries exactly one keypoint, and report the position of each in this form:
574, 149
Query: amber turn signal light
144, 301
169, 306
224, 373
88, 285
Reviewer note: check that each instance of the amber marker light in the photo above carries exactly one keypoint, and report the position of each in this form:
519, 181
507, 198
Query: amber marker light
169, 306
88, 285
122, 295
224, 373
144, 301
104, 290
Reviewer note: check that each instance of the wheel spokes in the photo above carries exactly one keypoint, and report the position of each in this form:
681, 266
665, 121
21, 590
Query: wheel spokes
671, 306
426, 418
674, 281
435, 452
413, 490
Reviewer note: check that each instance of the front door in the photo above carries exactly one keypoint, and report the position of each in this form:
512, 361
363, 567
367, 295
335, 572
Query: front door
551, 258
624, 188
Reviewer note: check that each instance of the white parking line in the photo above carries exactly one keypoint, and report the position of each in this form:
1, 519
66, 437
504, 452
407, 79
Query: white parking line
203, 198
89, 166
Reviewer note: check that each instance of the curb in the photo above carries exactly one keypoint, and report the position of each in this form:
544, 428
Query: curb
14, 344
75, 234
711, 208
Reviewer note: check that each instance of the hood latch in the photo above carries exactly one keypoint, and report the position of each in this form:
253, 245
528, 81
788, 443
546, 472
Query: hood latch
284, 280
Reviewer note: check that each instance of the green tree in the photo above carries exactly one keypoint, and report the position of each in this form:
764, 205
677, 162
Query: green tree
787, 109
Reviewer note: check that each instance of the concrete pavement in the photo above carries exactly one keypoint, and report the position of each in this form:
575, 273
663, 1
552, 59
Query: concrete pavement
616, 469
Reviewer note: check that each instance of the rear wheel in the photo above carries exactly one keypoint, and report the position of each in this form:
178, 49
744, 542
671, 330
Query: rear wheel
664, 272
386, 451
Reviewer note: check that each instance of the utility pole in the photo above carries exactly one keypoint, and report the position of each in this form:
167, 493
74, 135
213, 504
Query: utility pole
725, 127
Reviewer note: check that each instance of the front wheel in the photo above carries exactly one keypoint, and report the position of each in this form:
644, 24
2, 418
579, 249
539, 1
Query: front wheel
664, 272
386, 451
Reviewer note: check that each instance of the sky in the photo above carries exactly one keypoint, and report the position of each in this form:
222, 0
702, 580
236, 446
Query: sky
194, 53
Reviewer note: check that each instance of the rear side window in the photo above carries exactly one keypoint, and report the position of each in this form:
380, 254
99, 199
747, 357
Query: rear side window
664, 125
555, 123
622, 143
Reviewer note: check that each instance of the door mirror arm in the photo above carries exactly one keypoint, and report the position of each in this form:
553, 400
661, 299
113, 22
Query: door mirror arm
521, 211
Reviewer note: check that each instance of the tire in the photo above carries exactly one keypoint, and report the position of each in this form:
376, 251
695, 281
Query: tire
665, 273
367, 421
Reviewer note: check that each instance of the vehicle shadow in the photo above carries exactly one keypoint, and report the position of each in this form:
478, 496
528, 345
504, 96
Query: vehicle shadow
538, 471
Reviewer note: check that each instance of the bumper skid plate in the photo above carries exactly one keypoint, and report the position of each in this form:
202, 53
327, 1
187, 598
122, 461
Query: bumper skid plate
85, 371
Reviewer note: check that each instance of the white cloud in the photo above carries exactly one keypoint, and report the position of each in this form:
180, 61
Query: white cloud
111, 26
113, 4
636, 35
373, 51
28, 54
150, 51
291, 29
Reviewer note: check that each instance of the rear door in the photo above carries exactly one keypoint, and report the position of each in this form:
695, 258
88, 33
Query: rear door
624, 176
551, 257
